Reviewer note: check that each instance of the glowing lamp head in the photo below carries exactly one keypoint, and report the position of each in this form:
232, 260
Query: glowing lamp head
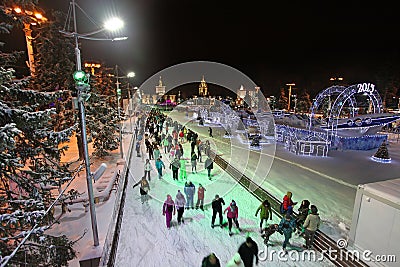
131, 75
17, 10
113, 24
79, 75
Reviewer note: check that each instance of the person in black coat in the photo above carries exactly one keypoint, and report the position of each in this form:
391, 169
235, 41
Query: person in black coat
217, 208
247, 251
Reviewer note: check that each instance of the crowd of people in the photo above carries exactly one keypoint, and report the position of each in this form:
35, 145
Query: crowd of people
160, 134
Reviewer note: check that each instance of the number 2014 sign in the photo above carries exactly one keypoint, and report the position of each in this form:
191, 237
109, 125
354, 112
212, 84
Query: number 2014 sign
365, 88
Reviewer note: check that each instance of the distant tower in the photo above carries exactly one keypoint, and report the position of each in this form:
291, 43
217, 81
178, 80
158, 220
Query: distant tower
203, 89
160, 89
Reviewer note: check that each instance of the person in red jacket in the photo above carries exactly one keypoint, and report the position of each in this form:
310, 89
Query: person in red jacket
200, 197
233, 213
288, 203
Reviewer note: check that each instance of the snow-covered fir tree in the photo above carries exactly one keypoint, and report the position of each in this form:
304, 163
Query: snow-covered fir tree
54, 65
304, 101
102, 113
282, 100
29, 168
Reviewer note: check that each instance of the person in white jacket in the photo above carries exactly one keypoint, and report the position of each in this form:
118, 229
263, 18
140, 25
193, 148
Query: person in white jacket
236, 261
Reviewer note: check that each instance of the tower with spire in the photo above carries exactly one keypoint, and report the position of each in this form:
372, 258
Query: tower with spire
160, 89
203, 88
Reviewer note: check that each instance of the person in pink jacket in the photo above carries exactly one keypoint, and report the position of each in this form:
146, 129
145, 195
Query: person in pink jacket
233, 213
200, 197
168, 210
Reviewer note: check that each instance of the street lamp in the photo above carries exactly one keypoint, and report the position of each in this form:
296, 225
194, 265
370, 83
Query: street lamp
32, 18
295, 103
290, 92
130, 75
336, 80
82, 87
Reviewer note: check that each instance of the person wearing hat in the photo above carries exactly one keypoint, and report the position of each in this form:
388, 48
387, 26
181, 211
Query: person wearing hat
288, 203
311, 225
200, 197
265, 213
168, 210
180, 203
210, 261
232, 214
236, 261
286, 227
216, 205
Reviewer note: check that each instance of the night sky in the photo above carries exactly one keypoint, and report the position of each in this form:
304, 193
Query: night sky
305, 42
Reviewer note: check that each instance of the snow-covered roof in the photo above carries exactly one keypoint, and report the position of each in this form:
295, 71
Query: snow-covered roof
389, 190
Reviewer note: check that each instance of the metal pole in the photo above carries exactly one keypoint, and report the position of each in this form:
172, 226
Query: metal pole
119, 114
290, 92
130, 108
84, 139
28, 37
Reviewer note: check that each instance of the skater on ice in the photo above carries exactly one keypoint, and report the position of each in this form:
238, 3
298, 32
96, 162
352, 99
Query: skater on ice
304, 210
248, 251
265, 212
217, 209
144, 189
209, 166
174, 165
288, 203
193, 161
232, 215
200, 197
286, 227
180, 203
189, 190
311, 225
168, 210
268, 231
160, 166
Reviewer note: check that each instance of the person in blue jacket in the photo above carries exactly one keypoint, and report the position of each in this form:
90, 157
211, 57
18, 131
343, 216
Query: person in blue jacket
286, 227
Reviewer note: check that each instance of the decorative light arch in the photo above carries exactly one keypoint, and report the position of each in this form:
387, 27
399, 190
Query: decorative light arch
328, 92
345, 95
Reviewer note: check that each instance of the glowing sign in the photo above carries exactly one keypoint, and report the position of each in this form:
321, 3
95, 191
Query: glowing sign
365, 88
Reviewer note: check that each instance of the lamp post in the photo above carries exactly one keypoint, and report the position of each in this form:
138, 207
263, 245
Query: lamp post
82, 88
130, 75
32, 18
290, 92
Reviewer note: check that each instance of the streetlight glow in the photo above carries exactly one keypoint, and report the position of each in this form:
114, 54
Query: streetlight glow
38, 15
17, 10
131, 74
113, 24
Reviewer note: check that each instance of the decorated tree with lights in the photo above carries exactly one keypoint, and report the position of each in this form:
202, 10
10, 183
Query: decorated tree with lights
382, 152
30, 169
